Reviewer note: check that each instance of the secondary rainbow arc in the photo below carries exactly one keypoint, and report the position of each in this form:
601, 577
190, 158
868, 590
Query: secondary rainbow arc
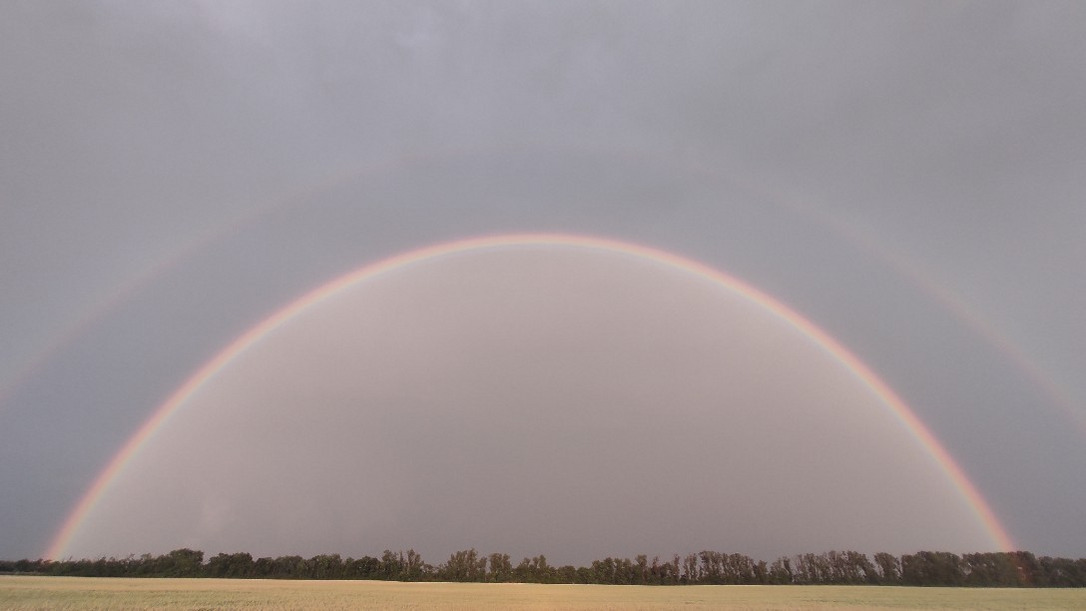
977, 503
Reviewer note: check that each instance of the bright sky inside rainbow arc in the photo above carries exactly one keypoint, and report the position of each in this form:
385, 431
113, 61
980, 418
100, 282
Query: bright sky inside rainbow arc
176, 401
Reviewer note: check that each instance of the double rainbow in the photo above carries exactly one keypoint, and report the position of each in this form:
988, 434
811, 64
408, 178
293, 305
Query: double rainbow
160, 417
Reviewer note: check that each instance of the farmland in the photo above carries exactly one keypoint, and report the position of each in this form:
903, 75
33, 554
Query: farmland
36, 592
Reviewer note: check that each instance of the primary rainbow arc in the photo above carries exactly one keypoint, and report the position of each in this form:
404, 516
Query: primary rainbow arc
904, 414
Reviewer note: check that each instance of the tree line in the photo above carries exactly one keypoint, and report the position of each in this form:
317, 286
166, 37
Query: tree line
989, 569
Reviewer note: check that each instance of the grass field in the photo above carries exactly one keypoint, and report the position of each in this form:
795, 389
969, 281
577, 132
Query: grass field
27, 592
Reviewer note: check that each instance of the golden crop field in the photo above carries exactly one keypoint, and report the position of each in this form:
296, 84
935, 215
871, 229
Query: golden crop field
30, 592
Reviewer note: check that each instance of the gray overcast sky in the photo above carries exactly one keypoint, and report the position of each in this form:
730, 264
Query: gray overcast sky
907, 176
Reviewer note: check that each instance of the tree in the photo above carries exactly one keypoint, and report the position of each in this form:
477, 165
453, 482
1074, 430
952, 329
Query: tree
501, 569
465, 565
230, 566
414, 568
392, 565
780, 571
690, 569
888, 568
642, 576
366, 567
325, 566
180, 563
932, 569
264, 567
290, 567
540, 570
990, 569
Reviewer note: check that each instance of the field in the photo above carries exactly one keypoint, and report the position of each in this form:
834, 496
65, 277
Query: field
27, 592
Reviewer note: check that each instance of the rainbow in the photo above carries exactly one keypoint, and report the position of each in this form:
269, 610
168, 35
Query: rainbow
1057, 392
100, 486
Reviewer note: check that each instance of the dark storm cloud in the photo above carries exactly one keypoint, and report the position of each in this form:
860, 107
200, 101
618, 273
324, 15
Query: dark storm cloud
150, 149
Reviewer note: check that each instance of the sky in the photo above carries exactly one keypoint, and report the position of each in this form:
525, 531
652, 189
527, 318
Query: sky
906, 178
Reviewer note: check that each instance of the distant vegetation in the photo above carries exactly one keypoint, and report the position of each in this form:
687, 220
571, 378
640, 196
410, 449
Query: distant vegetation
995, 569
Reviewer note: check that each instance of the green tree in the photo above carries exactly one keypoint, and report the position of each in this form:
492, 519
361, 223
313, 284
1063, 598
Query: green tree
325, 566
366, 567
464, 565
932, 569
690, 569
392, 565
888, 568
780, 571
238, 565
642, 575
180, 563
413, 566
501, 569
